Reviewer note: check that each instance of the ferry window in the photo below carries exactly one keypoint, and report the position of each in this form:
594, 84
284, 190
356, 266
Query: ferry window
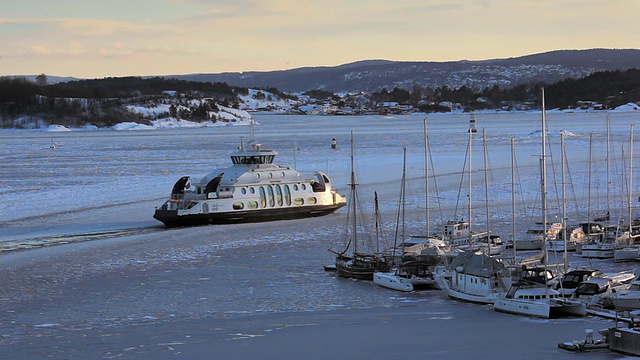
304, 187
312, 200
287, 195
279, 195
282, 174
298, 201
252, 204
238, 206
243, 190
252, 190
295, 187
272, 200
270, 175
257, 176
263, 197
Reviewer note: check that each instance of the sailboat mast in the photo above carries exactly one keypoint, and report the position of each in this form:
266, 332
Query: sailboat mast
543, 171
513, 200
564, 204
377, 212
608, 168
486, 188
353, 199
403, 198
631, 184
470, 199
426, 177
589, 187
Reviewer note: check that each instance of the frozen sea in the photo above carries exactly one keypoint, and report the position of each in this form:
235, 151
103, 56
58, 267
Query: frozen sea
86, 272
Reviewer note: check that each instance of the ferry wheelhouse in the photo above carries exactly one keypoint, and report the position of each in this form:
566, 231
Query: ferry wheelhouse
253, 189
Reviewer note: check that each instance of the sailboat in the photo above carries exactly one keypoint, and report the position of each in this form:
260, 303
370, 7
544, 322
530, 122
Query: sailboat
424, 255
598, 246
631, 252
533, 299
419, 246
565, 240
351, 262
458, 233
394, 278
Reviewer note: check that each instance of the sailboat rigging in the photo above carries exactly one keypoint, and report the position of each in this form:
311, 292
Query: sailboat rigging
352, 262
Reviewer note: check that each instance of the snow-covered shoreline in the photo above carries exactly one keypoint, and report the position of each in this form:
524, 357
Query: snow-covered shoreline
235, 117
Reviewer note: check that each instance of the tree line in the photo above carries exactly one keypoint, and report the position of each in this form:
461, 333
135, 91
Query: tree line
101, 101
609, 88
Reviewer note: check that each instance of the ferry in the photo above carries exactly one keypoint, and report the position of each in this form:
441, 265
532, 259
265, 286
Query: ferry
253, 189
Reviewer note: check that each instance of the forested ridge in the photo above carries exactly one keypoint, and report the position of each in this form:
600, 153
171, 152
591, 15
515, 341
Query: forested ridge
102, 101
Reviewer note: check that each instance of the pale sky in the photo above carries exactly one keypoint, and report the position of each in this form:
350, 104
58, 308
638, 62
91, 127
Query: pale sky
103, 38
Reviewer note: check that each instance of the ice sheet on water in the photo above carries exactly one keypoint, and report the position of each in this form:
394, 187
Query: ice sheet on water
97, 174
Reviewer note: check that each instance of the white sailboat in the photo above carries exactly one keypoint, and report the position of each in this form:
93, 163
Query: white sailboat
393, 279
533, 299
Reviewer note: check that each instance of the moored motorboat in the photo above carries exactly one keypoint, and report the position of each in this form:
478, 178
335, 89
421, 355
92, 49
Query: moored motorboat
598, 291
532, 299
253, 189
570, 281
628, 299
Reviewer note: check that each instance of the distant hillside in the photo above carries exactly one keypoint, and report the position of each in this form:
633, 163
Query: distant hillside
50, 78
374, 75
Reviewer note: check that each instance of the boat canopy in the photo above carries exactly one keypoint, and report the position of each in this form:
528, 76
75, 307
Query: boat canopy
475, 263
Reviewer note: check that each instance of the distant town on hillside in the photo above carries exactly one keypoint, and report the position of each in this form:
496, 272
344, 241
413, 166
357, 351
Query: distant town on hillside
42, 100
